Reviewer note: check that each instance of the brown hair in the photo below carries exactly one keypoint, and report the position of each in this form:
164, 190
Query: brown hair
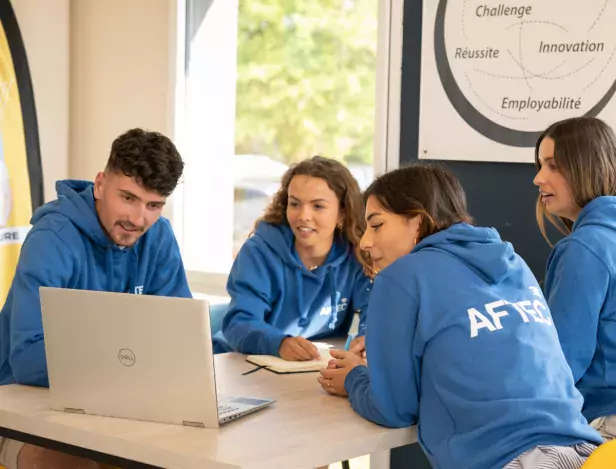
340, 180
429, 190
148, 157
585, 154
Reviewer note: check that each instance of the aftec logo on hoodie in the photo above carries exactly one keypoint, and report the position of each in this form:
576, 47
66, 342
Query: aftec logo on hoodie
342, 306
327, 310
526, 310
139, 290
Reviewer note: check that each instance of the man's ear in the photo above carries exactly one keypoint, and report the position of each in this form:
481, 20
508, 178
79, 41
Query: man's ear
99, 183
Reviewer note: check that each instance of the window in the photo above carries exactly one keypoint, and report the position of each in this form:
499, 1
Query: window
267, 83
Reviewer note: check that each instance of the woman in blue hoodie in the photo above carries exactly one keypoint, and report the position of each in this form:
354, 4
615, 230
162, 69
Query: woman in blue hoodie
459, 337
576, 164
298, 277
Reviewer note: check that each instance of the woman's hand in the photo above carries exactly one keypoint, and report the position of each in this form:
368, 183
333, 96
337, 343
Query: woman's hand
298, 349
358, 346
332, 378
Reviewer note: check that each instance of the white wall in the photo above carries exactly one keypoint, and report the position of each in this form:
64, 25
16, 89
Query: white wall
99, 67
122, 69
44, 26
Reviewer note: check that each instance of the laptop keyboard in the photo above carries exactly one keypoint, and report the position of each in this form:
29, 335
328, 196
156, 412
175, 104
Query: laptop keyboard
225, 409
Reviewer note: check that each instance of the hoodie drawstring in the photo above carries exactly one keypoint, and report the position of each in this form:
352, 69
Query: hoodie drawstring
109, 266
131, 271
303, 312
333, 296
131, 261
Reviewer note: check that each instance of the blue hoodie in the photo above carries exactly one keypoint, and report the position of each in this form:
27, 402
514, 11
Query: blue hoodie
273, 295
460, 340
67, 247
580, 287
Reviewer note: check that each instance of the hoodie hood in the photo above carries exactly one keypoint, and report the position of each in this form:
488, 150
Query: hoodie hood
598, 212
76, 202
480, 248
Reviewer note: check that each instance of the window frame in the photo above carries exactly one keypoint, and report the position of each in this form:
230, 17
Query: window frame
387, 117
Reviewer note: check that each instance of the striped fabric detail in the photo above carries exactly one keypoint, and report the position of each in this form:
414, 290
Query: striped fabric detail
606, 426
553, 457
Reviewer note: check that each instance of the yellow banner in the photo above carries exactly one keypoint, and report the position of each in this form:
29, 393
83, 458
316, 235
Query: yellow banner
15, 185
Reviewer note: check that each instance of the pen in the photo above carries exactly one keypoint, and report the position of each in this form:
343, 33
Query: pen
348, 342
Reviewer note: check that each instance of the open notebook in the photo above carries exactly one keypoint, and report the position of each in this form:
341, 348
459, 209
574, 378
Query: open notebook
280, 365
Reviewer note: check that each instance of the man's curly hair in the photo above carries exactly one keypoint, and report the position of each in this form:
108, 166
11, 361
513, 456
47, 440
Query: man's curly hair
148, 157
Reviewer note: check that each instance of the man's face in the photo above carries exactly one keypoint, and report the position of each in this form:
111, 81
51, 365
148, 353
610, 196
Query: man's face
126, 210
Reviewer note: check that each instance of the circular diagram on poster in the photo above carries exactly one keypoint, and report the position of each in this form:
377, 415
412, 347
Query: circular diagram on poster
511, 69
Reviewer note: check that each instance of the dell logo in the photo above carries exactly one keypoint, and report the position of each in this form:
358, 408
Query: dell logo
126, 357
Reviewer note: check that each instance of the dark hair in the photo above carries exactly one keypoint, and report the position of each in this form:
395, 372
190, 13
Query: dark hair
340, 180
429, 190
148, 157
585, 154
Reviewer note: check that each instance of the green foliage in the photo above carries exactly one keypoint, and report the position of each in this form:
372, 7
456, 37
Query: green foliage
306, 78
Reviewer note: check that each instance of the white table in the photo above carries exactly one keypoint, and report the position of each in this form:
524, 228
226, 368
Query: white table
305, 428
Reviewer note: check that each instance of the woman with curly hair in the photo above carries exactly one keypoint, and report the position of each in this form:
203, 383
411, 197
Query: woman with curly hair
299, 276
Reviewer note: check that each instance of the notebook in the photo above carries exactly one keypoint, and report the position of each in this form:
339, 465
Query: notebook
282, 366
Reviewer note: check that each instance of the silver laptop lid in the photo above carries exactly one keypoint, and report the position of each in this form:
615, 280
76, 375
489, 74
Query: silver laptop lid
133, 356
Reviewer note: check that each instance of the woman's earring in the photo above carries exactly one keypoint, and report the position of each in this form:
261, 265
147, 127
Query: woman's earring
339, 225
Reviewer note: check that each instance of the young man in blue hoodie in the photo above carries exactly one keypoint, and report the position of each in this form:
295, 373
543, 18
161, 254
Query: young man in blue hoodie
107, 236
576, 164
459, 338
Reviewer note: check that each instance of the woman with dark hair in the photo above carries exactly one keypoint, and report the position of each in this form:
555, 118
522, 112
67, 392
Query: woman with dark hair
576, 176
299, 277
459, 338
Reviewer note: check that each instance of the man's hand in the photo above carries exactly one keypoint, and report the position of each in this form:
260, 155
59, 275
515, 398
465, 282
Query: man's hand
298, 349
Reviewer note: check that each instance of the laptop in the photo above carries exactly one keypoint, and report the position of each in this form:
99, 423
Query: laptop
139, 357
